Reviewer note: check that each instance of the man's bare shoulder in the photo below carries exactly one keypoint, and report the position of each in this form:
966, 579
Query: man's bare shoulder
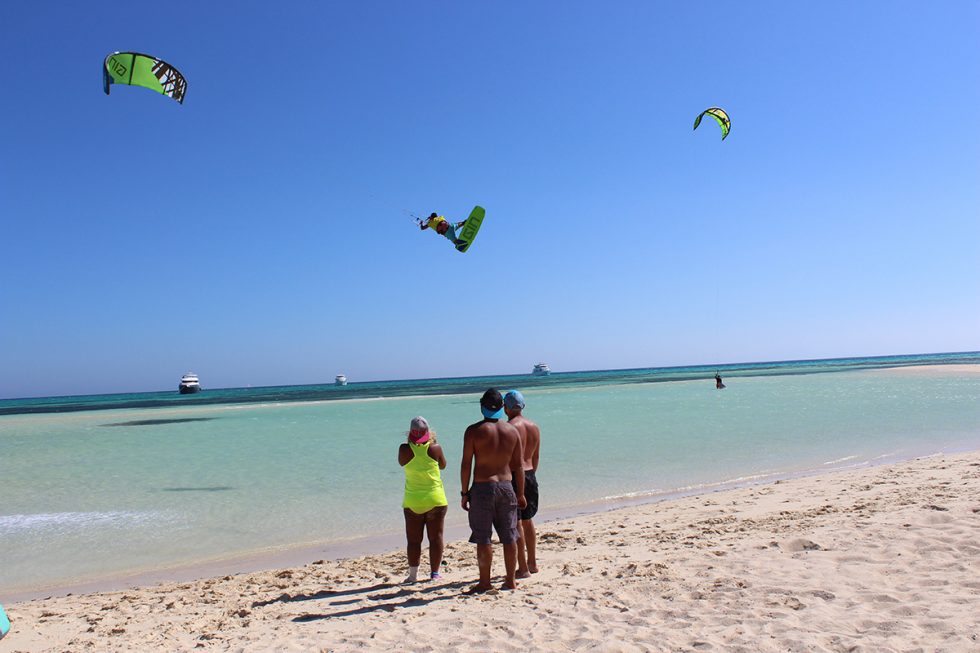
508, 430
532, 427
473, 429
482, 429
520, 424
524, 424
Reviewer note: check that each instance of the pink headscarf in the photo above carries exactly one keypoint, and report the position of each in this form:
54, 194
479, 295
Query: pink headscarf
418, 433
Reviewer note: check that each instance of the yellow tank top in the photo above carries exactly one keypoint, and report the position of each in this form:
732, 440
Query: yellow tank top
434, 222
423, 482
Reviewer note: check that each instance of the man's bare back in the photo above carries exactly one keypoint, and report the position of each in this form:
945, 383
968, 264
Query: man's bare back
530, 436
493, 447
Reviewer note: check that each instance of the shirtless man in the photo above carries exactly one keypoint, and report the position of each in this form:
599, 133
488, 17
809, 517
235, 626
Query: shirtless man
491, 449
527, 563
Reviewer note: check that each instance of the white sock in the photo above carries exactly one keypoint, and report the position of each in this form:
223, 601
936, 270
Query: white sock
413, 574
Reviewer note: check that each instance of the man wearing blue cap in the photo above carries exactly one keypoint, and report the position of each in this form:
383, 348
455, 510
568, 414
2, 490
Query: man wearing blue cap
491, 449
527, 563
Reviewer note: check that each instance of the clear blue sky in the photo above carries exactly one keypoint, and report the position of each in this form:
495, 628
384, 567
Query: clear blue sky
257, 236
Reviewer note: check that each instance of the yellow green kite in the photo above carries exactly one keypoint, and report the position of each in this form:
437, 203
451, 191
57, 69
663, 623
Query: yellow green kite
720, 116
137, 69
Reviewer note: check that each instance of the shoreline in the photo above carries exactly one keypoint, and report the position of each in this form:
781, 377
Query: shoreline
879, 557
297, 554
293, 555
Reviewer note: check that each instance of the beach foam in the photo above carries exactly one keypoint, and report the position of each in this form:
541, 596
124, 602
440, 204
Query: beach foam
69, 521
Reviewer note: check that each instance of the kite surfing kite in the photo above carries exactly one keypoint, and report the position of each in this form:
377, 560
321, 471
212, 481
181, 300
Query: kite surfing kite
720, 116
135, 69
470, 226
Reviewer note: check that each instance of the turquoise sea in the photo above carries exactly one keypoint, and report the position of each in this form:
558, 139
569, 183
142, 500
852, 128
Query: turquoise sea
103, 486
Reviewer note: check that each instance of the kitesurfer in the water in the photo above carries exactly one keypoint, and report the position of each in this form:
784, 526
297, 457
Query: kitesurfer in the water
444, 228
718, 384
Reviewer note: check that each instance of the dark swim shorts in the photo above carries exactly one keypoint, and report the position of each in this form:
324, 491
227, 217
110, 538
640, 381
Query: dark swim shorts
530, 493
493, 504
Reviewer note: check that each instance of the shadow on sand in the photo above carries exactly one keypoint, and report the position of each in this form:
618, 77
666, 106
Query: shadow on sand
385, 597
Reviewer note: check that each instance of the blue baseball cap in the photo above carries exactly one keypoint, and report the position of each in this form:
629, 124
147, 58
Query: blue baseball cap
492, 404
514, 399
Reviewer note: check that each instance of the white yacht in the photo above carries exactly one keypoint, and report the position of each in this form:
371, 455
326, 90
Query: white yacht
541, 369
189, 384
340, 380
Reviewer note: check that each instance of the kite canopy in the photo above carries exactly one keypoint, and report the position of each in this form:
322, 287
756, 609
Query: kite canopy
137, 69
720, 116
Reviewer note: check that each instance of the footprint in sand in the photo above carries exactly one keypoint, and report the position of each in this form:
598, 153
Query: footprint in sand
800, 544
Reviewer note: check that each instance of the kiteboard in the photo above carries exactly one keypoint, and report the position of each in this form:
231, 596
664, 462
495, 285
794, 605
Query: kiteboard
4, 623
471, 228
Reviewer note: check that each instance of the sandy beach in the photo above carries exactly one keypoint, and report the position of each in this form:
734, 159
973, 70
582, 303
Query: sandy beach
881, 558
932, 370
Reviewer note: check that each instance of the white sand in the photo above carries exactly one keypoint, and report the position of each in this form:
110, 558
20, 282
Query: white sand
875, 559
964, 369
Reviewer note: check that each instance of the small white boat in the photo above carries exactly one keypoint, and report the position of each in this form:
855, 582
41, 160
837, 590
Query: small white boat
189, 384
541, 369
340, 380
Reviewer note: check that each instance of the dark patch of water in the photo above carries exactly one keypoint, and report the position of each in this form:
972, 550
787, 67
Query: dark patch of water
215, 488
156, 422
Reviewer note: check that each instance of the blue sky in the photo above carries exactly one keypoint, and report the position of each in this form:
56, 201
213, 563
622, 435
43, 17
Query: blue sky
258, 234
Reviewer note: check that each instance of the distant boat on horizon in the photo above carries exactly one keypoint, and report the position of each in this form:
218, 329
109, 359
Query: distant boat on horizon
189, 384
541, 369
340, 380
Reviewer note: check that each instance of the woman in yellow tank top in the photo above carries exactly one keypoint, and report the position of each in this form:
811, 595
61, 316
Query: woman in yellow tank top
425, 502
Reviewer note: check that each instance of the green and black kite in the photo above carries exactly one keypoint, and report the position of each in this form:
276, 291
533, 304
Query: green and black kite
720, 117
135, 69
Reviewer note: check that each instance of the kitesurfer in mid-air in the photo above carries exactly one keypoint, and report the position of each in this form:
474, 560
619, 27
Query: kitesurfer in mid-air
444, 228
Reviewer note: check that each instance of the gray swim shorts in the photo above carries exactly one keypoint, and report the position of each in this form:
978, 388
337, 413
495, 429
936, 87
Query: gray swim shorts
493, 504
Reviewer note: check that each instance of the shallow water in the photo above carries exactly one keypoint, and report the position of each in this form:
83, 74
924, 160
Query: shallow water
97, 492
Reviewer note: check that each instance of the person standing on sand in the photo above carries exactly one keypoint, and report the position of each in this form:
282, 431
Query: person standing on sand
527, 563
425, 502
491, 449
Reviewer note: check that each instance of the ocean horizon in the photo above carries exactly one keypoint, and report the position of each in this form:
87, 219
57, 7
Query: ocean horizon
465, 384
114, 485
